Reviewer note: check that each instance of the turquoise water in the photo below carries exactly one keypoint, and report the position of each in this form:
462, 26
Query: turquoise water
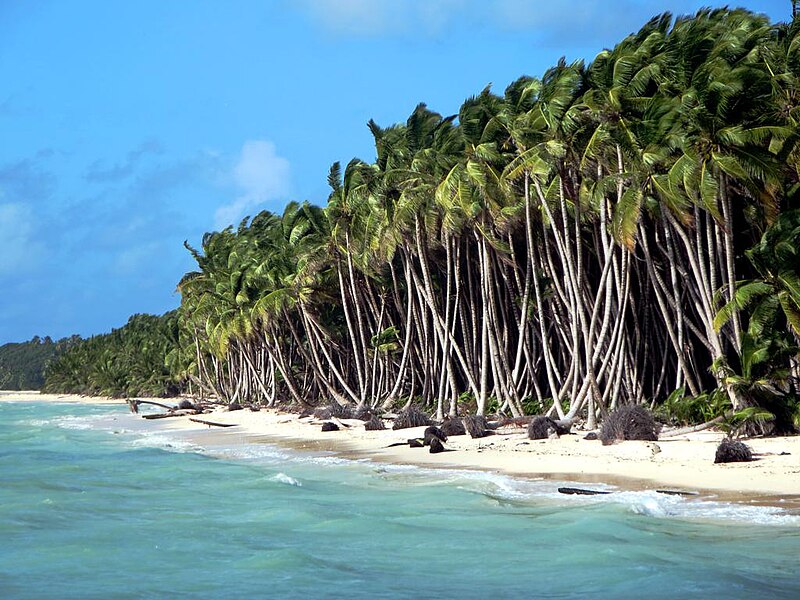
96, 503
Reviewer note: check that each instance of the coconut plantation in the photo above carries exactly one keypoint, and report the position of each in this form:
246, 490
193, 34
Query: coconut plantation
617, 232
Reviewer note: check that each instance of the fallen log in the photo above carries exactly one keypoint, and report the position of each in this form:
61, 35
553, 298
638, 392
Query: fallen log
692, 429
161, 415
584, 492
212, 423
580, 491
134, 405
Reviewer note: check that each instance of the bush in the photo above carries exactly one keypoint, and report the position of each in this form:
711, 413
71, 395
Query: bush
532, 406
632, 422
680, 409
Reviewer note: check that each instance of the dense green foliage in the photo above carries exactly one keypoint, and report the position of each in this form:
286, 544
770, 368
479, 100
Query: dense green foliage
22, 365
129, 361
576, 244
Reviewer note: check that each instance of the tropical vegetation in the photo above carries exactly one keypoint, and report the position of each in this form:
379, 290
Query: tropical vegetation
22, 364
618, 232
128, 362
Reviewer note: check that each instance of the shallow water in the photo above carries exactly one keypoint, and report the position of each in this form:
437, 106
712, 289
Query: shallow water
97, 503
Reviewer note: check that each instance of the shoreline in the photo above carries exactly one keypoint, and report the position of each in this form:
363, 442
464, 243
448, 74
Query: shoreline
683, 463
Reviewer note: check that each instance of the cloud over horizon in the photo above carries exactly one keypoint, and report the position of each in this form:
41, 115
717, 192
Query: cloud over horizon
261, 174
21, 250
555, 20
99, 173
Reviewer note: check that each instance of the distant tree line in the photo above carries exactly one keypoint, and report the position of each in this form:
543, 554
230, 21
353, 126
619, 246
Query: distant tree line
22, 365
129, 361
619, 232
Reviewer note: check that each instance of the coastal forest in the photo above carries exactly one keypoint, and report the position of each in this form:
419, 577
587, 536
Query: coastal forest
22, 365
622, 231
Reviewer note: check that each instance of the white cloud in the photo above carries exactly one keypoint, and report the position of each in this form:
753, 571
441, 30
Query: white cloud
261, 174
375, 17
99, 172
137, 258
570, 20
21, 250
587, 18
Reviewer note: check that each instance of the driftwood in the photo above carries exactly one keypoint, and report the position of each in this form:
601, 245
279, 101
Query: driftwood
181, 412
584, 492
134, 405
677, 493
395, 444
212, 423
580, 491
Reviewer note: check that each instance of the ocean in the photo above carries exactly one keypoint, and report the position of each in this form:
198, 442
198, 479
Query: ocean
97, 503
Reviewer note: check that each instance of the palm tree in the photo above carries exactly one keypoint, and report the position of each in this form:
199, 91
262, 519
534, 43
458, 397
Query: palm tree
566, 245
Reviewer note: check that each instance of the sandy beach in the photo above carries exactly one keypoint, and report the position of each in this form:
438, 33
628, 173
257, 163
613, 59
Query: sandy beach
684, 463
29, 396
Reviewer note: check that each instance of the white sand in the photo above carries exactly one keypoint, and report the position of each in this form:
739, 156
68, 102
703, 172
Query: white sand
25, 396
685, 462
682, 463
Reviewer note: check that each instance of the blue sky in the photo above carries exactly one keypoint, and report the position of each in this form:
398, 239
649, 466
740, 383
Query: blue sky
129, 127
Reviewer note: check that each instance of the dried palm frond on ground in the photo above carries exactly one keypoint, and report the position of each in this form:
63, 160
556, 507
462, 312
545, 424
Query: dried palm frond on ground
362, 413
322, 412
476, 426
411, 417
432, 433
732, 451
374, 424
334, 409
341, 411
542, 428
453, 426
631, 422
436, 446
